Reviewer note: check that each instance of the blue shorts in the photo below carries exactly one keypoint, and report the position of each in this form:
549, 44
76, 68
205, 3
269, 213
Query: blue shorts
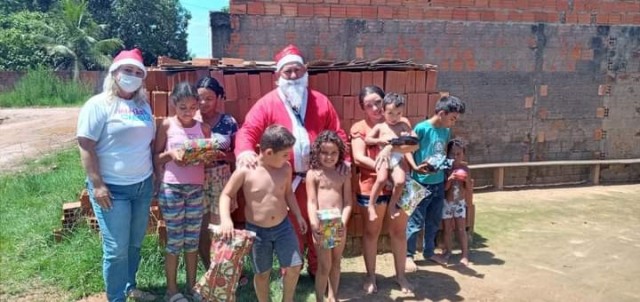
363, 200
281, 238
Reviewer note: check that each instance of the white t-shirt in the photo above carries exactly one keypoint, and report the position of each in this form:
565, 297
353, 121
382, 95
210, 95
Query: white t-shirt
123, 131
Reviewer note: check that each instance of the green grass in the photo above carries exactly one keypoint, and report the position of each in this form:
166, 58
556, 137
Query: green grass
31, 207
41, 87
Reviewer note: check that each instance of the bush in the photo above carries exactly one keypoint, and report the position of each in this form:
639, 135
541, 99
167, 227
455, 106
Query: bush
41, 87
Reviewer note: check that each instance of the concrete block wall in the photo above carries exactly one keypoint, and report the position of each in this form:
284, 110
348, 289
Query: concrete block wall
537, 75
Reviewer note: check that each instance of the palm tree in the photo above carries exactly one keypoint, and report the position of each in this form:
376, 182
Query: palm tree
77, 38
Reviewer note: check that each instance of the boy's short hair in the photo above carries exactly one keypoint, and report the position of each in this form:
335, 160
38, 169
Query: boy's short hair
449, 104
393, 98
277, 138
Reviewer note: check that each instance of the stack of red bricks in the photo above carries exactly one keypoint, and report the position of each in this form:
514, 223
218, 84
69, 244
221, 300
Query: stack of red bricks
244, 86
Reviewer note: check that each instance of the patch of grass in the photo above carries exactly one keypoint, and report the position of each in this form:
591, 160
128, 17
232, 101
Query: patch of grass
31, 207
41, 87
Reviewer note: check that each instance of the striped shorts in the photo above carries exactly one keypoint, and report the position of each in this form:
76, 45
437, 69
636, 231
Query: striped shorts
182, 209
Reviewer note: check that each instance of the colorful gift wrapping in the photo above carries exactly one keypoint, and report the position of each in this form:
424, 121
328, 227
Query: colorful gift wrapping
219, 283
330, 223
196, 149
413, 193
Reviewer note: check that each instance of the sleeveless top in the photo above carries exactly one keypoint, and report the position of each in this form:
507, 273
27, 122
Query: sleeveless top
176, 136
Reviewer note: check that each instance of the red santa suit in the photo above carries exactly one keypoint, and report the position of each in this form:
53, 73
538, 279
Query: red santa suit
315, 115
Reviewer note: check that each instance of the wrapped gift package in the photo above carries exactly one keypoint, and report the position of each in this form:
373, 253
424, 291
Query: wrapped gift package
413, 193
219, 283
330, 223
196, 150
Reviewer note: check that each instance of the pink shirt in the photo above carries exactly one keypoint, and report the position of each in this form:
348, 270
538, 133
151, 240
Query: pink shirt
176, 136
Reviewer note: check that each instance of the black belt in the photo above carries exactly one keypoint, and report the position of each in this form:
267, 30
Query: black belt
301, 174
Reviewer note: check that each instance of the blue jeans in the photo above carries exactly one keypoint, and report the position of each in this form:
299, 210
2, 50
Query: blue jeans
123, 228
427, 215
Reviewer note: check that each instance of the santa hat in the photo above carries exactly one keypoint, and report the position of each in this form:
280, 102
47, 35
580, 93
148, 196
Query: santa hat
290, 54
128, 57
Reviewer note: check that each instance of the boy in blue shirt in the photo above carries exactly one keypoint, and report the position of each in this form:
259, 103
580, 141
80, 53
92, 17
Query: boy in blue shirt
434, 135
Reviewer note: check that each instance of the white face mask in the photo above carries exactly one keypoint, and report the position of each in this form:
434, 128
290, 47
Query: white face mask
129, 83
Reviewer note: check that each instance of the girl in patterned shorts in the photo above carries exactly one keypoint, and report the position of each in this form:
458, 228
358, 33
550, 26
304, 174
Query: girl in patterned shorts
181, 189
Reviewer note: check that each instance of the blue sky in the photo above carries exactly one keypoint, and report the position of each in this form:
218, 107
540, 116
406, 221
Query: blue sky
199, 40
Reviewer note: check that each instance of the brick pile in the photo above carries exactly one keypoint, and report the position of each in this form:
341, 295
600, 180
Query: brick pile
341, 83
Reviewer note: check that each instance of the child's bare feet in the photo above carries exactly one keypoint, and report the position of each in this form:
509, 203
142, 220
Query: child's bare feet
464, 261
404, 284
410, 266
372, 213
394, 211
370, 285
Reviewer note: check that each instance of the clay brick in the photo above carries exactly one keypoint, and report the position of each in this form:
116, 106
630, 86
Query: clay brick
421, 81
544, 90
378, 79
323, 83
218, 75
266, 82
367, 78
395, 81
528, 102
334, 82
305, 10
290, 10
272, 9
356, 83
359, 52
354, 12
160, 101
338, 104
255, 87
238, 9
349, 106
600, 112
385, 12
432, 80
433, 99
369, 12
322, 10
230, 88
597, 134
540, 137
411, 81
255, 8
423, 105
345, 83
338, 11
161, 81
412, 105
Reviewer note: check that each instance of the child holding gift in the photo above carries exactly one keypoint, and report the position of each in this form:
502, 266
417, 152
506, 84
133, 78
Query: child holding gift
268, 193
180, 191
329, 206
458, 188
381, 134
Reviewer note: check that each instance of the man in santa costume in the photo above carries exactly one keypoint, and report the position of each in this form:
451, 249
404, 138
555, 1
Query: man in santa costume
306, 113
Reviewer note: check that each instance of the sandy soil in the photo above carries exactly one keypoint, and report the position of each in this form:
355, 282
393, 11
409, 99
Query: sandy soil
27, 134
570, 244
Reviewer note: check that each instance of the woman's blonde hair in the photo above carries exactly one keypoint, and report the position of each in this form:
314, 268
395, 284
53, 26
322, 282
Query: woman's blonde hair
110, 88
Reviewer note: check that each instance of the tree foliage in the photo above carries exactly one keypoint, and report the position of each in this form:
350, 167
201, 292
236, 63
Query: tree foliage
77, 39
157, 27
20, 49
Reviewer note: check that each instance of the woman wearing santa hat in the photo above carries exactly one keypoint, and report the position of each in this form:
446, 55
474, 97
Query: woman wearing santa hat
115, 130
304, 112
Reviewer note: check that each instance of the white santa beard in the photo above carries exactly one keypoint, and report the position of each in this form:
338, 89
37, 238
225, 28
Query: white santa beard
294, 90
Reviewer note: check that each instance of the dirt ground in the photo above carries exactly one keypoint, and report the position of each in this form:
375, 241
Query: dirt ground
564, 244
27, 134
568, 244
